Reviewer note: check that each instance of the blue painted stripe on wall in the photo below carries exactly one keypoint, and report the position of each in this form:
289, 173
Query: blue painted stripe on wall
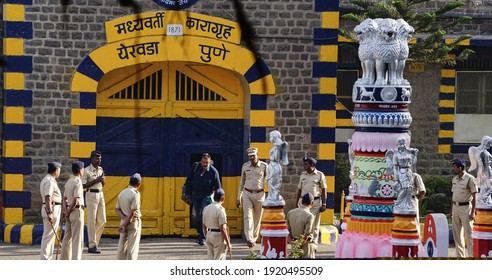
17, 166
21, 98
257, 71
17, 131
448, 81
23, 2
460, 149
325, 36
87, 133
15, 234
16, 199
326, 166
258, 102
324, 69
446, 110
446, 96
445, 141
37, 234
258, 134
330, 200
446, 126
2, 227
480, 43
87, 100
19, 64
322, 135
17, 29
90, 69
326, 5
343, 114
324, 102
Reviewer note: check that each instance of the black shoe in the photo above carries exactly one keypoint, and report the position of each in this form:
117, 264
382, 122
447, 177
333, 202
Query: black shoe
250, 244
94, 250
201, 243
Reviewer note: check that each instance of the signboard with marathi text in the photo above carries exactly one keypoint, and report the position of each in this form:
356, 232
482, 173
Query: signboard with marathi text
155, 23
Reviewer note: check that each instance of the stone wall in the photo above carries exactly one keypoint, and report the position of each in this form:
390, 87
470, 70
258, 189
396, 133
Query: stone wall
63, 38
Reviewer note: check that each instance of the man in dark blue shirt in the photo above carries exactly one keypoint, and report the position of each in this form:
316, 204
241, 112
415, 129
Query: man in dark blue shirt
201, 183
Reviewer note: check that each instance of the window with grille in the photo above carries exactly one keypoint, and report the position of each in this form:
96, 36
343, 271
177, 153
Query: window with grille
148, 88
474, 92
188, 89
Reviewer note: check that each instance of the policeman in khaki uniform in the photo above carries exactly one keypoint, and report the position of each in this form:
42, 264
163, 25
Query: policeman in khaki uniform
313, 181
463, 211
300, 223
93, 180
215, 228
130, 229
252, 194
51, 209
418, 193
73, 203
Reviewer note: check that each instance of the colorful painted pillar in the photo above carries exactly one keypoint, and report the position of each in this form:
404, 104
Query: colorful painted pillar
15, 131
381, 117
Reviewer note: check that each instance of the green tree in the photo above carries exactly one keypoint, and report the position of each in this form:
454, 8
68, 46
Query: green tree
430, 28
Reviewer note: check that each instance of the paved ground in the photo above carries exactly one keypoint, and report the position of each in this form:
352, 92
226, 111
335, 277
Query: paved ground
150, 249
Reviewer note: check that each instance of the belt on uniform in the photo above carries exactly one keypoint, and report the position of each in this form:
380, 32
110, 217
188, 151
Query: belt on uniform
461, 203
317, 197
252, 191
54, 203
95, 190
214, 229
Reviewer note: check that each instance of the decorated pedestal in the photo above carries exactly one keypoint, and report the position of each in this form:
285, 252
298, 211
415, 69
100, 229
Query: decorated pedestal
482, 233
405, 237
273, 233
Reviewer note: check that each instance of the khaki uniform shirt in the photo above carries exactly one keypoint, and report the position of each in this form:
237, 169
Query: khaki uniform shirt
463, 187
252, 177
128, 200
49, 187
312, 183
300, 221
90, 174
74, 189
418, 184
214, 215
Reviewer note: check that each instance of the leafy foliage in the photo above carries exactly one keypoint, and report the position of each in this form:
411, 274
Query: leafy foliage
296, 251
438, 195
432, 27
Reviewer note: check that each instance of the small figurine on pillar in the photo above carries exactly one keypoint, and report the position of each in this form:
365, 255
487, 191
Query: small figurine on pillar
401, 163
273, 227
480, 159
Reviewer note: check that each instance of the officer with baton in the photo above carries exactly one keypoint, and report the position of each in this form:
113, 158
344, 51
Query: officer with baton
51, 209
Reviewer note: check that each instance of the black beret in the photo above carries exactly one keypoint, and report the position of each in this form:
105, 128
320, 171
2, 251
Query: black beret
310, 160
95, 153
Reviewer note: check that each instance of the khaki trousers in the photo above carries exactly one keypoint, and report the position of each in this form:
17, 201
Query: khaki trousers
129, 242
96, 217
252, 211
309, 249
73, 240
462, 224
216, 247
49, 238
317, 218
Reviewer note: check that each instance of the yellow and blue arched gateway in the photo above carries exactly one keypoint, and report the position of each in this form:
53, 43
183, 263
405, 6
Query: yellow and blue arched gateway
168, 86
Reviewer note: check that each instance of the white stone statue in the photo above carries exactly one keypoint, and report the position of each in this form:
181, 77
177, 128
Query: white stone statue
383, 50
480, 159
278, 157
402, 164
